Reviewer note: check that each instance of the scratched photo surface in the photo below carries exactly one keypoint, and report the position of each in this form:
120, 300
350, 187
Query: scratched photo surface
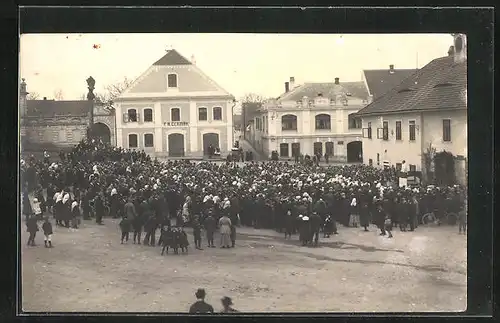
203, 173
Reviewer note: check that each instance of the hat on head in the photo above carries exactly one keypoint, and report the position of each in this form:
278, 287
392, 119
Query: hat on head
200, 293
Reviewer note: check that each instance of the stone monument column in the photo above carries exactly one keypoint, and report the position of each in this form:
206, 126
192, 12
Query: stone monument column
90, 97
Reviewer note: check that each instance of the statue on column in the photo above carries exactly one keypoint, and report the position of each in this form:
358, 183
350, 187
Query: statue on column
91, 87
90, 97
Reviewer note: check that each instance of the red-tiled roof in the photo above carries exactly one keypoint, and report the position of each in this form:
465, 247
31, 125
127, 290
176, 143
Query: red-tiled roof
51, 108
438, 85
172, 58
327, 90
380, 82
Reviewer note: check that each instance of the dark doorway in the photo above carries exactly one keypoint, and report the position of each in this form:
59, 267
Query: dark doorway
101, 131
318, 148
176, 145
329, 148
296, 149
210, 139
355, 152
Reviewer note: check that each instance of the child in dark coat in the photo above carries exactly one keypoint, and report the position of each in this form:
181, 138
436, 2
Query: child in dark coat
125, 225
32, 228
47, 232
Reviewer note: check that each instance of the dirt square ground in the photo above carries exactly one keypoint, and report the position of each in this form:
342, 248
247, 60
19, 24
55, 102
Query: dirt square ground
89, 270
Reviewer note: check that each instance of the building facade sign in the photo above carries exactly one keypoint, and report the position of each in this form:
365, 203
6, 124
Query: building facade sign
177, 124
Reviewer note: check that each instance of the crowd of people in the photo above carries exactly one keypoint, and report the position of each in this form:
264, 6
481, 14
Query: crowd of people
96, 180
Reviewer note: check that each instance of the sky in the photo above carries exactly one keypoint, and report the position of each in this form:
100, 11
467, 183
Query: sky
240, 63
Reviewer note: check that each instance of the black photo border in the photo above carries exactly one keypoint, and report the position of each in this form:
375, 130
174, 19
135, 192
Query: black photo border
477, 23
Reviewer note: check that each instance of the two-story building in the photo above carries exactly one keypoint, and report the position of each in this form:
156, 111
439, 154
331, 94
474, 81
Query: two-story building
311, 119
426, 112
174, 110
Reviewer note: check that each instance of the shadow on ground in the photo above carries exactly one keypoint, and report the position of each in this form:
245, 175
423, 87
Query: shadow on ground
260, 242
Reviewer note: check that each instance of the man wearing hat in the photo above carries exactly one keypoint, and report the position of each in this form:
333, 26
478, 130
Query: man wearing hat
200, 306
226, 305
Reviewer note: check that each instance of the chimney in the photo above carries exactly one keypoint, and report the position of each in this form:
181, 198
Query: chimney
45, 98
337, 80
292, 82
287, 87
391, 69
451, 51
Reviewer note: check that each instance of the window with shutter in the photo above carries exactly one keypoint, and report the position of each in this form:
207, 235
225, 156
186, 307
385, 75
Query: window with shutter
398, 130
411, 130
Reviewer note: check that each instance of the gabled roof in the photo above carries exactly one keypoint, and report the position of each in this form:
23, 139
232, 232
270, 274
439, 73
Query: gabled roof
438, 85
328, 90
172, 57
51, 108
380, 82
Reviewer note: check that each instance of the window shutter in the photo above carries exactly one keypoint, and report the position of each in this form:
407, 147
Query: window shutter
125, 117
365, 132
380, 133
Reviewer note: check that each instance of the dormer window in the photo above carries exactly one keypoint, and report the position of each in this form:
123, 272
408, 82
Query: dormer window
172, 80
405, 90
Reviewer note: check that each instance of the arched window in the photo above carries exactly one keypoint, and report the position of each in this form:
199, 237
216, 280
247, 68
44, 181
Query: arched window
148, 140
132, 141
172, 80
202, 114
323, 122
217, 113
148, 115
175, 114
289, 122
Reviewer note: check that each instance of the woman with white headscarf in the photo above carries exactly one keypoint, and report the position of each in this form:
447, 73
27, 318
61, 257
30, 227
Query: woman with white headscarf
114, 203
75, 212
354, 214
58, 208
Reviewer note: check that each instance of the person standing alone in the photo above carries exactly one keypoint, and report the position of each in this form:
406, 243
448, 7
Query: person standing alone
200, 306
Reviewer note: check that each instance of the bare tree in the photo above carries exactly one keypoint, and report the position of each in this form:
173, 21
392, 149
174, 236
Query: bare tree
58, 95
112, 91
33, 96
252, 98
